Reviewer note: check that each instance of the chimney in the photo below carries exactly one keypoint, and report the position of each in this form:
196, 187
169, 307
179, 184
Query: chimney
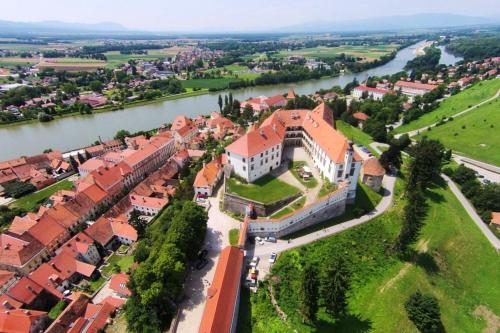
261, 132
7, 305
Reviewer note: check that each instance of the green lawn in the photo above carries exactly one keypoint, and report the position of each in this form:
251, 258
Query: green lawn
94, 285
31, 201
356, 135
298, 204
266, 189
326, 188
234, 234
479, 92
456, 264
475, 134
123, 261
294, 166
57, 309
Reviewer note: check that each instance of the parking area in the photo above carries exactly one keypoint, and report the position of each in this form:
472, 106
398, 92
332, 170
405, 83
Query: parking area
198, 281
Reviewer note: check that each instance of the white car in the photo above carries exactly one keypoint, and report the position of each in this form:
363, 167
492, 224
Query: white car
272, 258
258, 239
254, 262
270, 239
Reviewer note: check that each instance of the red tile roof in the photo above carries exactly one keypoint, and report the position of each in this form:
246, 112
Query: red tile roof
373, 167
180, 122
103, 230
20, 225
25, 290
495, 218
17, 251
258, 140
207, 176
67, 266
276, 101
8, 303
99, 319
118, 283
414, 85
222, 294
149, 202
47, 231
95, 194
12, 163
5, 276
360, 116
19, 321
79, 244
49, 278
371, 89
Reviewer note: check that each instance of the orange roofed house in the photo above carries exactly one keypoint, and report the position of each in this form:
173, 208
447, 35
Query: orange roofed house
20, 321
221, 307
413, 89
208, 177
109, 232
260, 150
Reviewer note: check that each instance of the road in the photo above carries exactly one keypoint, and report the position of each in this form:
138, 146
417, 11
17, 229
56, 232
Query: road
418, 131
492, 238
488, 171
198, 281
265, 250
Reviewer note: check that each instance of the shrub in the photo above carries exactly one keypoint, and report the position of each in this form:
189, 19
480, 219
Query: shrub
18, 189
423, 311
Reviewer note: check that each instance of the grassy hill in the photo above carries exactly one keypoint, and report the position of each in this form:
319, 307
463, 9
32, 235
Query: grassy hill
454, 104
456, 264
475, 134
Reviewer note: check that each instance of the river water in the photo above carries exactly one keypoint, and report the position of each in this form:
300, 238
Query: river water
74, 132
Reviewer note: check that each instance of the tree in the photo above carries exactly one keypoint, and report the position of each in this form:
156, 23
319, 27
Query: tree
96, 86
423, 311
87, 155
17, 189
121, 135
230, 100
413, 216
136, 221
81, 159
74, 163
391, 158
220, 103
335, 282
376, 129
309, 293
226, 100
425, 166
247, 112
70, 89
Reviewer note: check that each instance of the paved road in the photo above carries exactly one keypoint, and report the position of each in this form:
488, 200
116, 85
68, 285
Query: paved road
418, 131
198, 281
388, 183
492, 238
488, 171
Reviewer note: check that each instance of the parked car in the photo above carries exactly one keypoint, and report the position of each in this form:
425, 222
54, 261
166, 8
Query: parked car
203, 253
257, 239
201, 263
254, 262
272, 258
270, 239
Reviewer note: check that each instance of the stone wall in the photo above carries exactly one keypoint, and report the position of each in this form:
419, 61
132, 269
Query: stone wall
319, 211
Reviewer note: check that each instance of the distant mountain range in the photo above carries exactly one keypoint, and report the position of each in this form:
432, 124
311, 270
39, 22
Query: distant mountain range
417, 21
58, 27
388, 23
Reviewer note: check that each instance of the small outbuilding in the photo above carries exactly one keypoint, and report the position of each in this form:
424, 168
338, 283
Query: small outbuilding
372, 174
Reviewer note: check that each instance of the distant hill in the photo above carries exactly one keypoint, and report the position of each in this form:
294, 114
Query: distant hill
417, 21
58, 27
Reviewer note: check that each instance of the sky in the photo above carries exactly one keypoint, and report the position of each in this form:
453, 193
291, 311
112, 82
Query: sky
190, 15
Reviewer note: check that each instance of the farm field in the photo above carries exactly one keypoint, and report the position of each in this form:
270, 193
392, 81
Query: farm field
454, 104
368, 53
455, 263
474, 134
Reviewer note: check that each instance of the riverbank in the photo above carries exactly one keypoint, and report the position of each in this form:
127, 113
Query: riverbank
111, 108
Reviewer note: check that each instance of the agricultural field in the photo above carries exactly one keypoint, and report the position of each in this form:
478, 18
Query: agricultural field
474, 134
454, 104
368, 53
454, 262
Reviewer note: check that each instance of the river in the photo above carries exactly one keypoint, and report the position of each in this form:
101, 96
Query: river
74, 132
